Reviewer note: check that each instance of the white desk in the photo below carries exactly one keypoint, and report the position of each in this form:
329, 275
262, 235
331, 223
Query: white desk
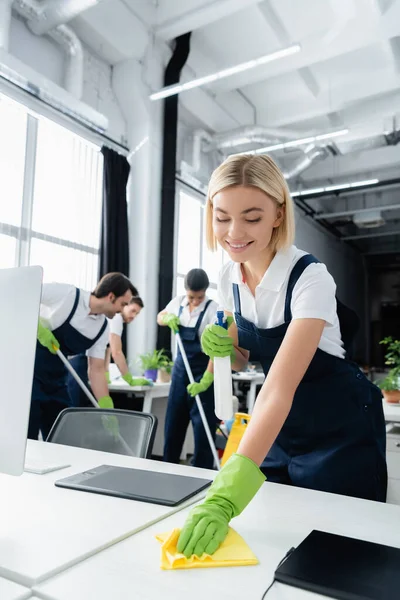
391, 412
254, 379
44, 529
12, 591
158, 390
277, 519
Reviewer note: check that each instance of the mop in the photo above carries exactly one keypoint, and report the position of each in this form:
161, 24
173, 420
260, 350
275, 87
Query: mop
198, 402
90, 396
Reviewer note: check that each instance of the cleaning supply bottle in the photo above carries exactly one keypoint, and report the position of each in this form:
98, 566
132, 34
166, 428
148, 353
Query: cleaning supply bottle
237, 431
223, 393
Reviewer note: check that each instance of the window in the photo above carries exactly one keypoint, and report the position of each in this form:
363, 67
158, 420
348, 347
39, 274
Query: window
52, 180
191, 249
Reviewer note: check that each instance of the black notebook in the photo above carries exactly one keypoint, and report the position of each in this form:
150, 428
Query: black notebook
343, 568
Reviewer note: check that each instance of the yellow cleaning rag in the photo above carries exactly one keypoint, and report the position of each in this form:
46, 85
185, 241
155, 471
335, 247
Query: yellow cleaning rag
233, 552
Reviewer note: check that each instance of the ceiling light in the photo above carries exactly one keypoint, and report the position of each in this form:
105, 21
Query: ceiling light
299, 142
246, 66
332, 188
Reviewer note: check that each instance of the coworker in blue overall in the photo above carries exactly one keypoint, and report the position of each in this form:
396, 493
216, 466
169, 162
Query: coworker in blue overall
189, 315
73, 321
318, 422
80, 361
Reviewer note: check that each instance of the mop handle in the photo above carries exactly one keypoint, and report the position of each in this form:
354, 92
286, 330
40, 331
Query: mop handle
77, 378
198, 402
92, 399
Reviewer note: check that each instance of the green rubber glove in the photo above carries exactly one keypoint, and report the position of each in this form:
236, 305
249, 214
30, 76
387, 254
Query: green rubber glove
216, 342
207, 524
47, 339
105, 402
172, 321
108, 377
202, 385
136, 381
110, 422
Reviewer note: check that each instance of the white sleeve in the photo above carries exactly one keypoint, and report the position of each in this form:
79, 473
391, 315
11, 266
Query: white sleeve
116, 325
225, 294
54, 293
173, 305
98, 350
314, 295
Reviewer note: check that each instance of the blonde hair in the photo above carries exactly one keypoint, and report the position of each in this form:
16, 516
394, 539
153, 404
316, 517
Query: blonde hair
259, 172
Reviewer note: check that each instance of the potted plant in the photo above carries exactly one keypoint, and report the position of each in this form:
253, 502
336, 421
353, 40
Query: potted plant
151, 362
164, 369
390, 385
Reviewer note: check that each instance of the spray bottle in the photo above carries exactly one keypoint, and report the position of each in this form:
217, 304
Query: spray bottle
223, 393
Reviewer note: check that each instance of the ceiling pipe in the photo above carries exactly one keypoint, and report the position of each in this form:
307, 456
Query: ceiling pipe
53, 13
349, 213
312, 153
66, 38
371, 235
250, 134
5, 23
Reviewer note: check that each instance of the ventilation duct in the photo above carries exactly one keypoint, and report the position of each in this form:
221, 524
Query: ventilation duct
5, 22
31, 10
311, 154
253, 134
52, 13
369, 219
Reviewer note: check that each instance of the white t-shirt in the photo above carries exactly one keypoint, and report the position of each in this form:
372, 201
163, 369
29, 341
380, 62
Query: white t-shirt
56, 304
116, 324
313, 296
189, 319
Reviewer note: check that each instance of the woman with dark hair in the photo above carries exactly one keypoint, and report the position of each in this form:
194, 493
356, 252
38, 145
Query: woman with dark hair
189, 315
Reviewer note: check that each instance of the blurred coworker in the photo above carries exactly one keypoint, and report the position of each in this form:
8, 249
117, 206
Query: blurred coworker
73, 321
126, 316
189, 315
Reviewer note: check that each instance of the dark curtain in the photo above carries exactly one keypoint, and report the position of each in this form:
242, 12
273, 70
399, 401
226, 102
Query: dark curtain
114, 242
166, 265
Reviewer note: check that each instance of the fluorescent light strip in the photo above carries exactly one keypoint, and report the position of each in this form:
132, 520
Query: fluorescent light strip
332, 188
300, 142
172, 90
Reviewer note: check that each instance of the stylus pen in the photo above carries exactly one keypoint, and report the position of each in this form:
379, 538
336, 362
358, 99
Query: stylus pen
198, 402
88, 394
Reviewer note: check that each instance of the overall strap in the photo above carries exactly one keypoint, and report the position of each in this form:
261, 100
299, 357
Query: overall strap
201, 315
180, 307
102, 330
296, 273
74, 307
236, 298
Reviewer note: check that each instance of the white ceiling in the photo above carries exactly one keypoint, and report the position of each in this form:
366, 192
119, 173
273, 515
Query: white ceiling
347, 74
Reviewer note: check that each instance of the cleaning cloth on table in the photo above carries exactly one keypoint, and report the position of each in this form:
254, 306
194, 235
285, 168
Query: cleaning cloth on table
233, 552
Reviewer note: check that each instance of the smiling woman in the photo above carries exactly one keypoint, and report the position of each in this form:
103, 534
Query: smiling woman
317, 422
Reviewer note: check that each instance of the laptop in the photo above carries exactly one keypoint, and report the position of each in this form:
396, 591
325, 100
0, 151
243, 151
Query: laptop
343, 568
136, 484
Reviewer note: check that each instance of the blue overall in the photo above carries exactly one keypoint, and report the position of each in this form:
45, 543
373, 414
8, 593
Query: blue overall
182, 408
334, 438
49, 391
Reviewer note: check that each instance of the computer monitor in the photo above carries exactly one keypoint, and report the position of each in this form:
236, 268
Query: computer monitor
20, 294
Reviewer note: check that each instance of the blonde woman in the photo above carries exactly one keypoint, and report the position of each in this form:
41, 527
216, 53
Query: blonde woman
318, 422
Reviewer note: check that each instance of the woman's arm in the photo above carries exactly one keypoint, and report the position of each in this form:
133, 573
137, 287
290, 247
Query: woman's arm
276, 396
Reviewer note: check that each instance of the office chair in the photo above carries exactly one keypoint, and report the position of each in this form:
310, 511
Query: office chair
90, 428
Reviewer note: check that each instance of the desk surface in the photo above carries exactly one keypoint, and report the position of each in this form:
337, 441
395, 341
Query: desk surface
249, 376
12, 591
157, 390
44, 529
278, 518
392, 412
